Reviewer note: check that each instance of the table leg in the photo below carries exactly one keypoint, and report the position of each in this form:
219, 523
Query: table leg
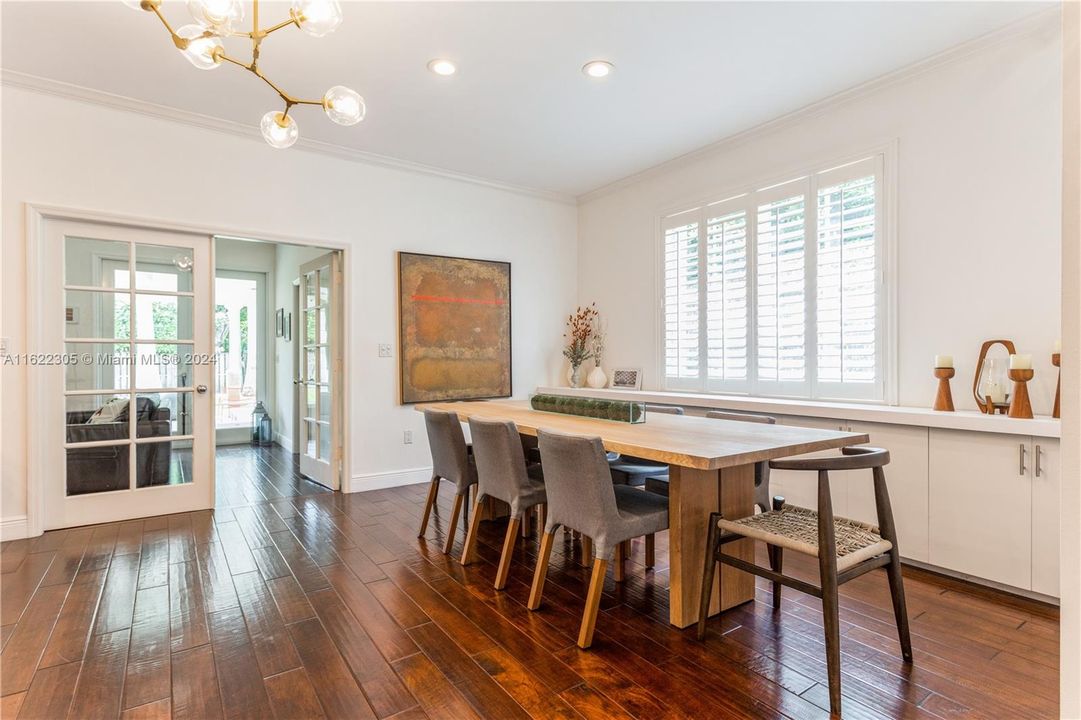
692, 495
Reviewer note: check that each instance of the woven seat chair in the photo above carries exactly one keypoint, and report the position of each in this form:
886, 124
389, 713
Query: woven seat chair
452, 461
581, 496
630, 470
502, 473
845, 550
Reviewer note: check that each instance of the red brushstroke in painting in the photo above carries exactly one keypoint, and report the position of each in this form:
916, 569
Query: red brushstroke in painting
460, 300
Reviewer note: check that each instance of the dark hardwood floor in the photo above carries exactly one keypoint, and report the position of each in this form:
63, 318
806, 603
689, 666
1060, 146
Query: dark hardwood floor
289, 601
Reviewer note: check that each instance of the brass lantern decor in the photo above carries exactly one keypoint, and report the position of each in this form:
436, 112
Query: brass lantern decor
201, 43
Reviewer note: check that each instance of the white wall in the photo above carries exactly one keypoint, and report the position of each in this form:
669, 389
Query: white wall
287, 269
978, 212
68, 153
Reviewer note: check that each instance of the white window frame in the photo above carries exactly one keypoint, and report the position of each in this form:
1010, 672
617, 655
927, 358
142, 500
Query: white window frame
748, 198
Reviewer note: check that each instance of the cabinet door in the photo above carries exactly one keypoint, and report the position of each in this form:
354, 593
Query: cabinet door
1045, 515
801, 488
906, 480
981, 505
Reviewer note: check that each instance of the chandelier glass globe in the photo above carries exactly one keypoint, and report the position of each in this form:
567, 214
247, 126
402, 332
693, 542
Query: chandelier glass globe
279, 130
200, 50
221, 15
344, 106
317, 17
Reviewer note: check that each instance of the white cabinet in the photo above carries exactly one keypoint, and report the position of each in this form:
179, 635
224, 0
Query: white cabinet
906, 480
981, 505
1045, 515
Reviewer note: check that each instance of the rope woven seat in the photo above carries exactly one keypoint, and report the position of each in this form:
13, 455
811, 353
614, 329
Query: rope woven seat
796, 528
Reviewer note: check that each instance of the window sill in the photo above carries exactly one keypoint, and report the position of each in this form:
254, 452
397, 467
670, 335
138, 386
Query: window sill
971, 420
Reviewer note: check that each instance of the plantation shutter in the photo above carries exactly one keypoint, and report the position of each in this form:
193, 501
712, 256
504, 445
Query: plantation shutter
781, 285
727, 274
848, 280
681, 300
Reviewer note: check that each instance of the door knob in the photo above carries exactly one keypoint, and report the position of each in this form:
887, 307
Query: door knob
201, 389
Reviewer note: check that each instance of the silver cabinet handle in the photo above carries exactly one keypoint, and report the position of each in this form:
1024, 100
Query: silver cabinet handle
1039, 454
1022, 470
201, 389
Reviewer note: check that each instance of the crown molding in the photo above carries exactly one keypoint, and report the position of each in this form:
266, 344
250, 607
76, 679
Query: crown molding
1025, 26
47, 86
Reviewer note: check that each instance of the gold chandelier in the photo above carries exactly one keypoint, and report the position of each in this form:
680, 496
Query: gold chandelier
201, 43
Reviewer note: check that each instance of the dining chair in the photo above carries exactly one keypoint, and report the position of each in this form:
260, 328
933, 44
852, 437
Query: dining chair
451, 461
581, 496
846, 549
630, 470
502, 473
658, 483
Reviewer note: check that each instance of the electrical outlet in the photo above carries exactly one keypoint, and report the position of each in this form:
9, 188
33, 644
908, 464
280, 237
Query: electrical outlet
384, 350
407, 437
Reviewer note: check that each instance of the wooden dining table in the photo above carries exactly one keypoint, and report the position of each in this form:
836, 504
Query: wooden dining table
711, 467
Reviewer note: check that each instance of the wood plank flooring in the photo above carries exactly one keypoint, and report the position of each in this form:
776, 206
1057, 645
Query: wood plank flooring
289, 601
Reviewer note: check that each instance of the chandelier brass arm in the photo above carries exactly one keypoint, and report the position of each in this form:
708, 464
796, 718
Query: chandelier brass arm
202, 45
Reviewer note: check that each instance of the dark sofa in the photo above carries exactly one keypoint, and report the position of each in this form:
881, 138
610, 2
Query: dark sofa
98, 469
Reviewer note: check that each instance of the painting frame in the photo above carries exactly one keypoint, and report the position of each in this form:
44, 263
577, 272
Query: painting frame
279, 322
407, 354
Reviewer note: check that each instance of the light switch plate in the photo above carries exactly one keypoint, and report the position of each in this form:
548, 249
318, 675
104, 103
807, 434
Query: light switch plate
384, 350
407, 437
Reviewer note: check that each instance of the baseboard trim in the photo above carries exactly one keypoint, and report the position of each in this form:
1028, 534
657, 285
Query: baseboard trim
973, 583
285, 442
387, 479
13, 528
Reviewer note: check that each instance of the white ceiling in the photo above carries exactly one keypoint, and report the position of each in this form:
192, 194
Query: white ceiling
519, 110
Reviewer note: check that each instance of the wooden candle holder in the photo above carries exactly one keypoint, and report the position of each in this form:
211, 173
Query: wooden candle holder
1056, 360
944, 398
984, 403
1020, 406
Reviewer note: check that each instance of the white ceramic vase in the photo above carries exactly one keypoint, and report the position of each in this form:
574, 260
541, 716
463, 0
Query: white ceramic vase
574, 376
597, 378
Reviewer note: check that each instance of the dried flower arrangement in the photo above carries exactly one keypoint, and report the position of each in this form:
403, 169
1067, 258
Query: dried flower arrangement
579, 330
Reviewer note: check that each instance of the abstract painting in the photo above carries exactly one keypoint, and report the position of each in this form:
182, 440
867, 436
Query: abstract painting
454, 328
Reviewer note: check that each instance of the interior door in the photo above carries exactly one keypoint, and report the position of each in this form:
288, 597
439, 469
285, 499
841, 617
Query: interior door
126, 402
320, 370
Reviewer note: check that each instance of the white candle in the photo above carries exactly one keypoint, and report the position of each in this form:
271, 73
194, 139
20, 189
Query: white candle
943, 361
996, 392
1058, 346
1020, 362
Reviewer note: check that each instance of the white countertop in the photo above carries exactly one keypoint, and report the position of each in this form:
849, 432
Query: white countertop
971, 420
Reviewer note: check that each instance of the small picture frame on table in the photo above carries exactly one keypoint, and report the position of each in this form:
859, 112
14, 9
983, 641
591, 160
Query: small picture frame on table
626, 379
279, 322
287, 327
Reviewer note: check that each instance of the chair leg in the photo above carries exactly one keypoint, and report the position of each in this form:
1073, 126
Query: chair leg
448, 544
508, 553
527, 516
651, 550
832, 626
471, 534
433, 491
619, 572
541, 573
593, 603
900, 612
776, 564
587, 551
466, 504
708, 570
542, 517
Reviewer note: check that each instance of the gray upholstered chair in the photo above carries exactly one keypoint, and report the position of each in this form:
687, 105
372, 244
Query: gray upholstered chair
658, 483
630, 470
502, 473
845, 549
581, 496
450, 461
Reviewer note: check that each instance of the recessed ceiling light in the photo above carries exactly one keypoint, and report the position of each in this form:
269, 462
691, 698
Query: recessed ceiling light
442, 67
598, 68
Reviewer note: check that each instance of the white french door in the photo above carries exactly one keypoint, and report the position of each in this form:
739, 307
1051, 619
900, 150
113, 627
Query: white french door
320, 370
127, 410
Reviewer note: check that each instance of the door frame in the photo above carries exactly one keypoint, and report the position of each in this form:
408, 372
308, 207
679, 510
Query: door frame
240, 435
39, 275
